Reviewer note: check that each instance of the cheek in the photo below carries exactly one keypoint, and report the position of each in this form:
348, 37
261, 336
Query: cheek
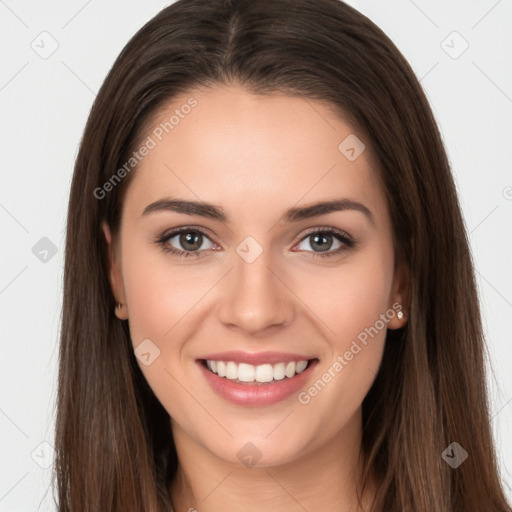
164, 299
350, 298
161, 297
353, 304
159, 293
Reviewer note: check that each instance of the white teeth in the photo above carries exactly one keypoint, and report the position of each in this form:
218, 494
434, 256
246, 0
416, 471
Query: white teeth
300, 367
231, 370
279, 371
221, 368
246, 372
262, 373
290, 370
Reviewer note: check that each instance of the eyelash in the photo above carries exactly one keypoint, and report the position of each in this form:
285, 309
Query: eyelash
341, 236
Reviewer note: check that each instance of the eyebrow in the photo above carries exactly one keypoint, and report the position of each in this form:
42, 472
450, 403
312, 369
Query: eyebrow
295, 214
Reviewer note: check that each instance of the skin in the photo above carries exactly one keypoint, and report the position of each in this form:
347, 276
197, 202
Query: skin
240, 151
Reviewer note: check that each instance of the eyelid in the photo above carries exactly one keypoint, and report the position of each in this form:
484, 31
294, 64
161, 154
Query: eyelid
190, 227
327, 229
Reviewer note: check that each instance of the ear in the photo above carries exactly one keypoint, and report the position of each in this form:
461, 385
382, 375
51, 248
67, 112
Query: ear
115, 274
399, 299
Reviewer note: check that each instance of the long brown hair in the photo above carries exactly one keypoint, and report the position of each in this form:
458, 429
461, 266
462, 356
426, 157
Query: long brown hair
114, 445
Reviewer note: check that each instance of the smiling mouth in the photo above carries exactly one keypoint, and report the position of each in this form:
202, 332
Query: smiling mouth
243, 373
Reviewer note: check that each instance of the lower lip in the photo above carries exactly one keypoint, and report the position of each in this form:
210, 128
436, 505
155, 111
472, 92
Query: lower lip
255, 394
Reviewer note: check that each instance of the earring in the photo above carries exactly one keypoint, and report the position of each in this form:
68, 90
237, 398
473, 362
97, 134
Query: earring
400, 314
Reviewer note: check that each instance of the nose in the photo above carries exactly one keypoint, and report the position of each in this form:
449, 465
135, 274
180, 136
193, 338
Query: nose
255, 298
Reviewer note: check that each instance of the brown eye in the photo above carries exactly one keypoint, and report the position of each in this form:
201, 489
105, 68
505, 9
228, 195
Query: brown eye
321, 241
185, 242
191, 240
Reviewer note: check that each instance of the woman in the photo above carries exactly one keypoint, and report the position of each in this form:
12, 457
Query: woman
269, 300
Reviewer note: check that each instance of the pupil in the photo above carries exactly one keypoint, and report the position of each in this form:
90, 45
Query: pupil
191, 241
322, 247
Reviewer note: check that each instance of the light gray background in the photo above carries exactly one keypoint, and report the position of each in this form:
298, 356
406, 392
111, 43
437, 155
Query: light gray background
45, 103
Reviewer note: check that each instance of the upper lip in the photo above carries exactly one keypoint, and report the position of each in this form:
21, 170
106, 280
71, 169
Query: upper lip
256, 358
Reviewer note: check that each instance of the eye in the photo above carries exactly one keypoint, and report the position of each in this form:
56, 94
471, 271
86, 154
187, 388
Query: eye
322, 240
190, 242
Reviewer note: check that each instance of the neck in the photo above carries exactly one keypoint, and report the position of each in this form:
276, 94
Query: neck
324, 478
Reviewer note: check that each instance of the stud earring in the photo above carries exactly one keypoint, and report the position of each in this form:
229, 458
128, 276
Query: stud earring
400, 315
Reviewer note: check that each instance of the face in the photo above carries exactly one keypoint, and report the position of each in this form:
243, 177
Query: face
225, 262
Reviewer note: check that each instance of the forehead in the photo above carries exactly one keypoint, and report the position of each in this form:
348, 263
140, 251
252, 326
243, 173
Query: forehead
227, 145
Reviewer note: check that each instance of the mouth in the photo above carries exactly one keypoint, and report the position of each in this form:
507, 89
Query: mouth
255, 380
244, 373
